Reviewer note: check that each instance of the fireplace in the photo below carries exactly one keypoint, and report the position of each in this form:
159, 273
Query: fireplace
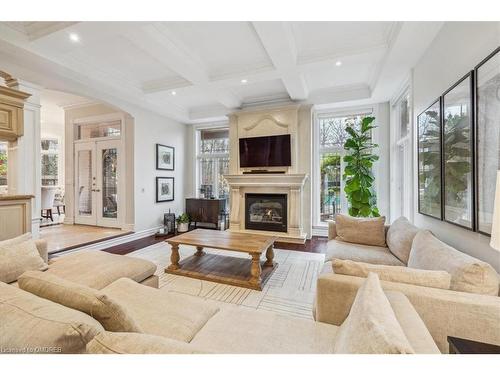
266, 212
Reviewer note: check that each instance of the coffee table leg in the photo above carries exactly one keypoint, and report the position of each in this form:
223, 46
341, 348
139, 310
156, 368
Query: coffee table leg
174, 258
199, 251
270, 256
255, 270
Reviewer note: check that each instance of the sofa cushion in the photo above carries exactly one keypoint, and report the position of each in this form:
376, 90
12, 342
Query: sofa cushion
361, 230
137, 343
17, 257
247, 331
33, 324
96, 269
431, 279
371, 326
160, 312
400, 237
468, 274
110, 313
361, 253
413, 326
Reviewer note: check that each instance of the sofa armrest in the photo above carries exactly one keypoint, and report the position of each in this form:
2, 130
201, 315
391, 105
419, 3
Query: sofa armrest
41, 246
332, 230
444, 312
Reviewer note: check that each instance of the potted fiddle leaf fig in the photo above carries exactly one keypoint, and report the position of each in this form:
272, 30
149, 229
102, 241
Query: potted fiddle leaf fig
358, 175
183, 223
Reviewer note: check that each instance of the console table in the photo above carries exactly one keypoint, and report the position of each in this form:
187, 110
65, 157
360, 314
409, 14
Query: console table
202, 210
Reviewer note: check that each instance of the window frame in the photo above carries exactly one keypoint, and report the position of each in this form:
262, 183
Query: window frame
214, 156
319, 227
58, 152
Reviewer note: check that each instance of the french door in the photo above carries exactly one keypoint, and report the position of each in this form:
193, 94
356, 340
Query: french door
97, 183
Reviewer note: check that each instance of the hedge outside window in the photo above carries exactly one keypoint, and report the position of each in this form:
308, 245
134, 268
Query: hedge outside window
50, 160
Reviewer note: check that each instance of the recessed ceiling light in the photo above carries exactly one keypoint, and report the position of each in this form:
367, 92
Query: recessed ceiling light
74, 37
338, 63
174, 93
244, 81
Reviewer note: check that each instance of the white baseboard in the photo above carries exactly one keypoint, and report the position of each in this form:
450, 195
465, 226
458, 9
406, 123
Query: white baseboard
114, 241
323, 232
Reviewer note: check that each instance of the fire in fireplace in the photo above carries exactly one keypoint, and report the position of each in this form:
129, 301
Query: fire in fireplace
266, 212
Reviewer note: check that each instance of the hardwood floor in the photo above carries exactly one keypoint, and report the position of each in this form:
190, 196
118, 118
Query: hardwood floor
64, 237
315, 245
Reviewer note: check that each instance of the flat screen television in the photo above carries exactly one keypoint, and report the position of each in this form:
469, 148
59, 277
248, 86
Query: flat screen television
271, 151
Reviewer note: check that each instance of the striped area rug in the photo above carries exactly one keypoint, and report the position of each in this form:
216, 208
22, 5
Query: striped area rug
290, 289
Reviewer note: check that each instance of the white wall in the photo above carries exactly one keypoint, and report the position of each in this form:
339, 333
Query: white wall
52, 126
150, 129
455, 51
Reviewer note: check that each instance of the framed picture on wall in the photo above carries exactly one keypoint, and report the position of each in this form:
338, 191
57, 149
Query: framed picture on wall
165, 157
487, 96
458, 154
429, 161
164, 189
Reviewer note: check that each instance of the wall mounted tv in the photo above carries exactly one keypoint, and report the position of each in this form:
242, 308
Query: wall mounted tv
271, 151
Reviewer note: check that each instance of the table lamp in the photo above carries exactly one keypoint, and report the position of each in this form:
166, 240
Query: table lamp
495, 229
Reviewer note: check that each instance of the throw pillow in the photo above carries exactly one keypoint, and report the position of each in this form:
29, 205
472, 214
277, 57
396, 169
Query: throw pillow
468, 274
361, 230
17, 257
371, 326
105, 310
399, 274
400, 237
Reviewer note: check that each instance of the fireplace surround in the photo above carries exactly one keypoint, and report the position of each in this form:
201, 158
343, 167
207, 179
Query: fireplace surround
266, 212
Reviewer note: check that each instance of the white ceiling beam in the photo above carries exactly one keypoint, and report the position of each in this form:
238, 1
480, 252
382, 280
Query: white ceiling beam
166, 48
278, 41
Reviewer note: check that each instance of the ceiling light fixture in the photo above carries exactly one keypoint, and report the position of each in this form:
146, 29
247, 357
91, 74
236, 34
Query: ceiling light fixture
244, 81
174, 93
74, 37
338, 63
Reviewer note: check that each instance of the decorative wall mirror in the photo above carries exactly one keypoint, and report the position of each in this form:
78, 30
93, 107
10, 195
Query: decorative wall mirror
487, 91
429, 161
458, 155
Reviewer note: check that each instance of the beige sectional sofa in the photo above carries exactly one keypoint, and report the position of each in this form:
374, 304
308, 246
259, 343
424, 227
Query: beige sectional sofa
470, 308
96, 269
175, 323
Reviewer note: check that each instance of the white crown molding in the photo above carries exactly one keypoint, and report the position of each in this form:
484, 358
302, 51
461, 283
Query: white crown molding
84, 104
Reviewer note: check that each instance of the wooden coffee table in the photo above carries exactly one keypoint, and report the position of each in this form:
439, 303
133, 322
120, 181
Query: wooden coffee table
248, 273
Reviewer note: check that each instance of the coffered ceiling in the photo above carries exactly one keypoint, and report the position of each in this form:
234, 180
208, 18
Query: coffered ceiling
192, 71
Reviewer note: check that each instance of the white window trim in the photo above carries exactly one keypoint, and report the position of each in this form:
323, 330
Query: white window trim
406, 143
197, 155
319, 227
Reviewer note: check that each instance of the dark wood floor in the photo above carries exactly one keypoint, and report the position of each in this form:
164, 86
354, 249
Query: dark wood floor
315, 245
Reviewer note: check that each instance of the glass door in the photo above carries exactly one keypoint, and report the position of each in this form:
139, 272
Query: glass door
97, 188
108, 195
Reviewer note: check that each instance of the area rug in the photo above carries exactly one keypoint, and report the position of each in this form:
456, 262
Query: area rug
290, 289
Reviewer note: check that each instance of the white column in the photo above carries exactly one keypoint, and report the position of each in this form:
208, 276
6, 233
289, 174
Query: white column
24, 154
234, 222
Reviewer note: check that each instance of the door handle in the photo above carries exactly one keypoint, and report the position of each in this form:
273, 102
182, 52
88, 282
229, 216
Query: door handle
96, 190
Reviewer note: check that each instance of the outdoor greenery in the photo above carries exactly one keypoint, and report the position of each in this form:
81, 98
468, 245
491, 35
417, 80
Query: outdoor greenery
330, 184
358, 175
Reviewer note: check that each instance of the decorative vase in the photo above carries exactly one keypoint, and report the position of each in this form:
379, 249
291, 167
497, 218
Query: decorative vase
183, 227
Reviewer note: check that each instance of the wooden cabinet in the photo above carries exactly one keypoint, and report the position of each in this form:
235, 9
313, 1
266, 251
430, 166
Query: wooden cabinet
11, 113
15, 215
205, 210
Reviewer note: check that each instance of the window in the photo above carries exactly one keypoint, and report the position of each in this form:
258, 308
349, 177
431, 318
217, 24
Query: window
99, 129
213, 162
331, 139
401, 201
50, 160
3, 163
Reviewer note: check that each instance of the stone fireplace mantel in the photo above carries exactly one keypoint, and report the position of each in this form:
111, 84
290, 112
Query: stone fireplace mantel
290, 184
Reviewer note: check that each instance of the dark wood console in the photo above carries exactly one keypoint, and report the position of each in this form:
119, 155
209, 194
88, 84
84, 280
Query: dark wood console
208, 211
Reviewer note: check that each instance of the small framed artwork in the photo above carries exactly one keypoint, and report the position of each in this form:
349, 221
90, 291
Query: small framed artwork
165, 157
164, 189
487, 85
429, 161
458, 154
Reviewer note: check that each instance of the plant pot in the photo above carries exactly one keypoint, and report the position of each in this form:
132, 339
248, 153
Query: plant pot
183, 227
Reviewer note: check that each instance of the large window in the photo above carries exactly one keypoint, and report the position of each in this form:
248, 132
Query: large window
331, 139
50, 162
3, 164
213, 162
